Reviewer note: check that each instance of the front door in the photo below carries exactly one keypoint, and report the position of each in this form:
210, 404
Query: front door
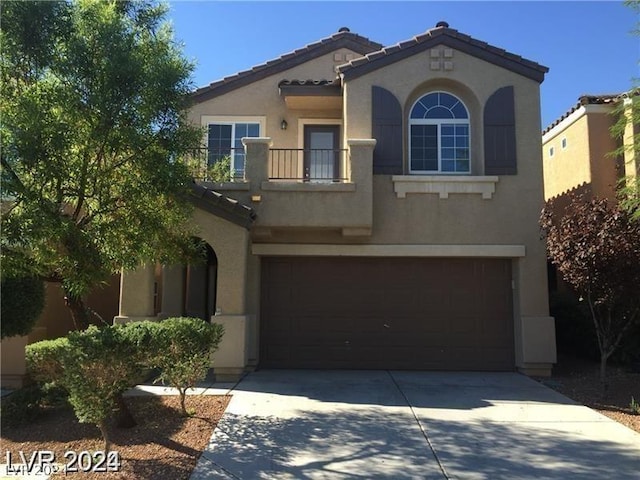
321, 146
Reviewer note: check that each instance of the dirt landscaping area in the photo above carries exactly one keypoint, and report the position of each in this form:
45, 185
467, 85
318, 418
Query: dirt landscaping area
162, 445
579, 380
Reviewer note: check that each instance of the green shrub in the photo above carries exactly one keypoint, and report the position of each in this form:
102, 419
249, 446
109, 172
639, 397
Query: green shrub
99, 365
44, 360
94, 366
22, 304
184, 347
21, 406
220, 171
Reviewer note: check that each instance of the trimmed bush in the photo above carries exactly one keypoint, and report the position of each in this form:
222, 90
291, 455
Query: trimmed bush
22, 304
44, 360
96, 366
184, 347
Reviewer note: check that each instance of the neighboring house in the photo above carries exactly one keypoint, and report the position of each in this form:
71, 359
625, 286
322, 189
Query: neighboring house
577, 156
577, 149
384, 212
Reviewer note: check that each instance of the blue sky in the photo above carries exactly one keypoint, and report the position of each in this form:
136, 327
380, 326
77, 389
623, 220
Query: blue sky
587, 45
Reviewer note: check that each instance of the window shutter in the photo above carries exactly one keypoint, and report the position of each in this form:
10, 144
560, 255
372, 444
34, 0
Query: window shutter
387, 130
500, 133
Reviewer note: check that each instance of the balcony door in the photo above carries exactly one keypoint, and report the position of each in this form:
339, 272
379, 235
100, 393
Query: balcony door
321, 158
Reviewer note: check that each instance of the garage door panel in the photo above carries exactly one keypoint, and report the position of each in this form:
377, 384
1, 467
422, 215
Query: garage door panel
413, 313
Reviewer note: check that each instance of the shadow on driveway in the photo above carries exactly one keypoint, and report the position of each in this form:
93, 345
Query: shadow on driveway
351, 425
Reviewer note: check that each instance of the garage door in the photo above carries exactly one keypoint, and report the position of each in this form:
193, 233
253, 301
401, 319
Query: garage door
386, 313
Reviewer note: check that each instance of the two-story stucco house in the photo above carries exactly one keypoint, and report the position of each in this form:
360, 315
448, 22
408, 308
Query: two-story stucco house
383, 211
577, 148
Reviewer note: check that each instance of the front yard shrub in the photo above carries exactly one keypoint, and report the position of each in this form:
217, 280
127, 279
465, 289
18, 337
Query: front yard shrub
21, 406
96, 366
22, 303
44, 360
184, 347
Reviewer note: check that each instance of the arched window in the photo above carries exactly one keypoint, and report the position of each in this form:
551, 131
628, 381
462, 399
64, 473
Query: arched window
439, 135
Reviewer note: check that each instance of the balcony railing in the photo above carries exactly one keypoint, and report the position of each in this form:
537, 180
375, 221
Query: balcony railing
217, 164
285, 164
307, 165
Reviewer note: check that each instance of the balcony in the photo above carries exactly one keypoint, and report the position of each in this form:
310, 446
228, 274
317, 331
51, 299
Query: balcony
295, 188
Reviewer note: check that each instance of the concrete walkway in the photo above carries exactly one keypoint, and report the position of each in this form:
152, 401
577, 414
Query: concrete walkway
285, 424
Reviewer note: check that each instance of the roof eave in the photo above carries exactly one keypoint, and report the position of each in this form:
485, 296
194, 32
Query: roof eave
352, 42
523, 67
221, 206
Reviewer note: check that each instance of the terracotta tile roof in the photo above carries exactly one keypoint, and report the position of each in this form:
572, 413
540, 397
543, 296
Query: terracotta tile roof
222, 206
309, 82
442, 34
590, 99
310, 87
341, 39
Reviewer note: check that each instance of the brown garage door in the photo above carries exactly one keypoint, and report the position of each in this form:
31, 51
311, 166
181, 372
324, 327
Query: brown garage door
386, 313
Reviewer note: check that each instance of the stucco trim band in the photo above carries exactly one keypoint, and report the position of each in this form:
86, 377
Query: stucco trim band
573, 117
444, 185
278, 249
299, 186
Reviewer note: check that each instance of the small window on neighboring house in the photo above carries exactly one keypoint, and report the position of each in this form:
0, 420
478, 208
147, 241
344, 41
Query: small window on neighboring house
439, 135
551, 151
564, 143
225, 140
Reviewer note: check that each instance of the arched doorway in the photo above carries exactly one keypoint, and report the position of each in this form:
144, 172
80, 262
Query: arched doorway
200, 286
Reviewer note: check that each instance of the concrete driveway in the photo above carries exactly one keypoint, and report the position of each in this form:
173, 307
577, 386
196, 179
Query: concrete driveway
294, 424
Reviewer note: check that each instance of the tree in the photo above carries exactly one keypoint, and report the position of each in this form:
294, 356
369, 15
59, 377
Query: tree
22, 303
94, 98
595, 245
183, 348
628, 115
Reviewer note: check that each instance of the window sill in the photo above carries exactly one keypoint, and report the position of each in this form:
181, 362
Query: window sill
444, 185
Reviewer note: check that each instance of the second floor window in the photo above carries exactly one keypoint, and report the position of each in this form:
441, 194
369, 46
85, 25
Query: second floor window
439, 135
225, 140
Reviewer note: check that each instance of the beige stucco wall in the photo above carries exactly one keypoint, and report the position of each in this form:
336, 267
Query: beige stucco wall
585, 160
262, 98
55, 320
230, 244
13, 364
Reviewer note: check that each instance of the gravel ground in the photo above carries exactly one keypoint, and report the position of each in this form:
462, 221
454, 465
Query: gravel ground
162, 445
579, 380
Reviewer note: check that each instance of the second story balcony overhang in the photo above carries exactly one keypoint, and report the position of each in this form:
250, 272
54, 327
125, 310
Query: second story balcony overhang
298, 188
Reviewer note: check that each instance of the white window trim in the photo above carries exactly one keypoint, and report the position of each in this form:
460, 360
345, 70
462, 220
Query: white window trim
439, 122
206, 120
302, 122
232, 120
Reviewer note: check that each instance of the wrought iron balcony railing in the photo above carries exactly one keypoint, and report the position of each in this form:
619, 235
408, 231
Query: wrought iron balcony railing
285, 164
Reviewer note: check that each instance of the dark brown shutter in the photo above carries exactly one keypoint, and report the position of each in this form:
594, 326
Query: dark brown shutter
387, 130
500, 133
